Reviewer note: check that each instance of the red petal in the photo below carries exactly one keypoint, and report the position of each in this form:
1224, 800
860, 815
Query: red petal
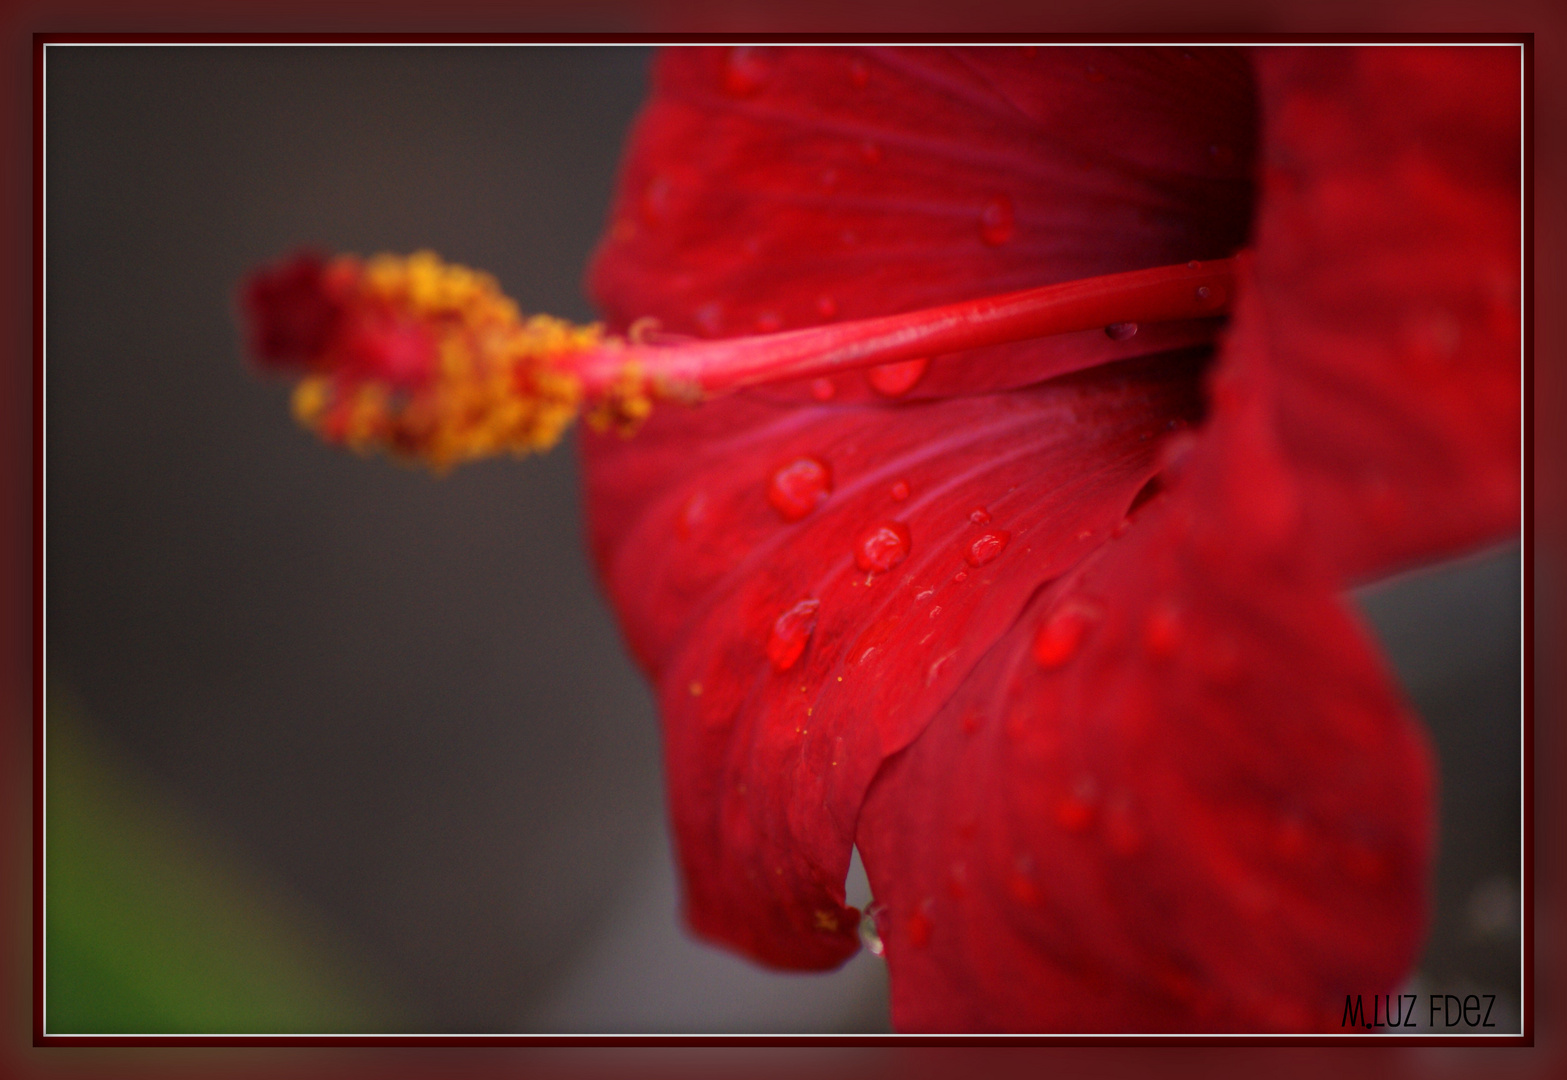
817, 195
1215, 813
770, 749
1388, 259
1179, 795
758, 196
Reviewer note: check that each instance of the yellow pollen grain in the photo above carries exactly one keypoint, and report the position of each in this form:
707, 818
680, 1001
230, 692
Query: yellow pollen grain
310, 399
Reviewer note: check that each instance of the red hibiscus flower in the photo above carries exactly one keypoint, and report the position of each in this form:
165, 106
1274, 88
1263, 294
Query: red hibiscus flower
1050, 627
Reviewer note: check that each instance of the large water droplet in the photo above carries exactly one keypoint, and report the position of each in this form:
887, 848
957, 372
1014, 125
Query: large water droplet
986, 546
979, 516
745, 71
791, 632
1060, 637
1121, 331
799, 487
896, 379
996, 221
882, 547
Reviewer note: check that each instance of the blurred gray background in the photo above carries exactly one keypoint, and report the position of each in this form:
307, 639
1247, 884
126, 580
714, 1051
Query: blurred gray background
401, 700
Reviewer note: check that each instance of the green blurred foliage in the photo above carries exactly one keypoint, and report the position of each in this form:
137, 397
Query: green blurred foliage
153, 926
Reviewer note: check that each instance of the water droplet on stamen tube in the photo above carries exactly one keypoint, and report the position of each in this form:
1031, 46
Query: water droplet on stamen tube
1121, 331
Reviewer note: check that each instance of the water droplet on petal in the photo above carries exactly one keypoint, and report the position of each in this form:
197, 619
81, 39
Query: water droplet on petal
900, 490
996, 222
979, 515
961, 575
692, 515
745, 71
791, 632
917, 928
882, 547
799, 487
986, 546
1162, 630
896, 379
1211, 296
1060, 637
1121, 331
859, 72
822, 389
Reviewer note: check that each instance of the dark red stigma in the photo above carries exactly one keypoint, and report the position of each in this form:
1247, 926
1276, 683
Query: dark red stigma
292, 311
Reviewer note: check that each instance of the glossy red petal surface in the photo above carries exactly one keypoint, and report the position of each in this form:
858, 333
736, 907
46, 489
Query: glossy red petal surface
840, 183
776, 713
1213, 811
1388, 262
758, 196
1204, 809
